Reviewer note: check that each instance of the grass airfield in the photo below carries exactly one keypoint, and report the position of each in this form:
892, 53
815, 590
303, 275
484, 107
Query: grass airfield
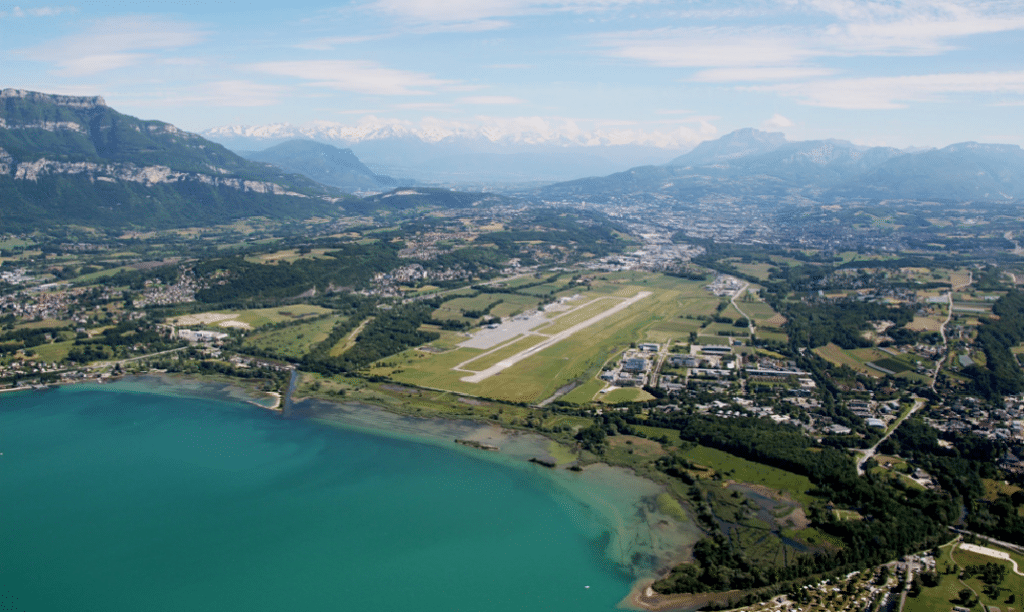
657, 317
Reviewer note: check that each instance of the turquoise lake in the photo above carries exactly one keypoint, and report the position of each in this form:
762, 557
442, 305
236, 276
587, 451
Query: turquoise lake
115, 499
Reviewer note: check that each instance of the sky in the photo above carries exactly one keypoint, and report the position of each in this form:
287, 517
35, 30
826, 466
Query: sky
668, 73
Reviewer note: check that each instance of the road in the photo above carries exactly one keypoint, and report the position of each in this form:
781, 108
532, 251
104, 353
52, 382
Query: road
106, 364
869, 453
918, 403
750, 322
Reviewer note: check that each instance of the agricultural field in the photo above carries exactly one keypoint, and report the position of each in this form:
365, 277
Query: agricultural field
927, 324
287, 256
54, 351
959, 279
724, 329
772, 336
901, 364
294, 340
578, 357
840, 356
763, 314
757, 270
731, 312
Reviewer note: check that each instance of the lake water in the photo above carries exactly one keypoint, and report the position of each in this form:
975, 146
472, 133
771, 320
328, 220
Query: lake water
115, 499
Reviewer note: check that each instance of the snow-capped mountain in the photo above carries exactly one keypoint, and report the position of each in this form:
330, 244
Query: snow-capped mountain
508, 151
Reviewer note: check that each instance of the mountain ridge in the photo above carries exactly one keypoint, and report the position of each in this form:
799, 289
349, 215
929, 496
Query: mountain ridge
75, 159
751, 163
325, 164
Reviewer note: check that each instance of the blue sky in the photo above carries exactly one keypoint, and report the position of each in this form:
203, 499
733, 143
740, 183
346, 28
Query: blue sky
672, 73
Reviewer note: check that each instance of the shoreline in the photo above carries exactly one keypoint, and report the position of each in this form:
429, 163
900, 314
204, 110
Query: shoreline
608, 491
643, 597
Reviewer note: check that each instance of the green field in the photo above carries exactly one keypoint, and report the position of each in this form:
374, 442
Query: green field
457, 305
724, 329
891, 363
513, 305
92, 277
295, 340
840, 356
630, 394
731, 467
584, 393
758, 270
772, 336
943, 596
762, 313
266, 316
55, 351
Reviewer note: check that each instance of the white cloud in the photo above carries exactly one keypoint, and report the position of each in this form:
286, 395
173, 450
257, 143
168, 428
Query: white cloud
776, 122
913, 27
114, 43
228, 93
851, 28
773, 73
490, 100
39, 11
358, 76
330, 42
486, 11
241, 93
707, 47
423, 106
896, 92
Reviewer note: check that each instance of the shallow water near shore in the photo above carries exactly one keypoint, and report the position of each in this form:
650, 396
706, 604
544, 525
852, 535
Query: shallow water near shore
116, 498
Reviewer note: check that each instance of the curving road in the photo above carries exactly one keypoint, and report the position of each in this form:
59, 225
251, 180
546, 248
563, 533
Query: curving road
869, 453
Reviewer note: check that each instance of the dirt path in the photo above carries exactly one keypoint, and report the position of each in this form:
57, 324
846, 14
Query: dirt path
350, 339
750, 322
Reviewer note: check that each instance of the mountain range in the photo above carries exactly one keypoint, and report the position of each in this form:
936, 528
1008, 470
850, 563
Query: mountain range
325, 164
538, 154
73, 159
752, 163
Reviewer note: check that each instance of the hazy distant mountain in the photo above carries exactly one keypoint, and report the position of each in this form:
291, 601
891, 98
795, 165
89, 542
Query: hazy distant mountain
69, 159
324, 164
750, 163
740, 143
963, 172
467, 155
